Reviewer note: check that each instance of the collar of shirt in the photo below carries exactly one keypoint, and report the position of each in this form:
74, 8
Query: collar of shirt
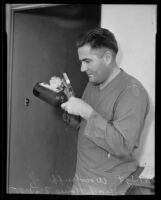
103, 85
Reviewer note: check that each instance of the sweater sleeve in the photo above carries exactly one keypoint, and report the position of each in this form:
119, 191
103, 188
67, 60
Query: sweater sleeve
120, 135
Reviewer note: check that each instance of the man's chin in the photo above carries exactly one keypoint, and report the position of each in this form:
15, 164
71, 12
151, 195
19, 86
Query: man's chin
94, 83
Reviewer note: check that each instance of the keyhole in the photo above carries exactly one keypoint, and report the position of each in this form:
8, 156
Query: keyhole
27, 101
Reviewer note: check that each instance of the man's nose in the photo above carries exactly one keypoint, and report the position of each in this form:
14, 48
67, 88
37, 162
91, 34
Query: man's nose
83, 67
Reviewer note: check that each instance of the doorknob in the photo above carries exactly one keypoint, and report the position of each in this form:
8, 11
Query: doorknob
27, 101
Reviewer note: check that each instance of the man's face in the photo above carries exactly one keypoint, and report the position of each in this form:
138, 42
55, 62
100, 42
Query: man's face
93, 63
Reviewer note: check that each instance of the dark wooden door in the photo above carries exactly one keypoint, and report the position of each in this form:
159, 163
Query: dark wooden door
42, 149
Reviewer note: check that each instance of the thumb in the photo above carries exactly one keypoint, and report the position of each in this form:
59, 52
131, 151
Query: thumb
63, 105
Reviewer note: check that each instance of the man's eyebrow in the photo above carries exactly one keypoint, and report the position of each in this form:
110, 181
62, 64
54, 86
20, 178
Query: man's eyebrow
85, 59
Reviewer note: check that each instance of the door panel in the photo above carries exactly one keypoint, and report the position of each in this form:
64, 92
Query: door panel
42, 146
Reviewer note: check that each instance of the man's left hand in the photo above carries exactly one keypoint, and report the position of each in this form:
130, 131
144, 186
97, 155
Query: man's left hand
76, 106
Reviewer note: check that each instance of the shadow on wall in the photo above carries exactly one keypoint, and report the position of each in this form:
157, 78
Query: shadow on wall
119, 55
143, 142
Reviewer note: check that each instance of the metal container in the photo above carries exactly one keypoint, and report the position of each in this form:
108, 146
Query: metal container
48, 95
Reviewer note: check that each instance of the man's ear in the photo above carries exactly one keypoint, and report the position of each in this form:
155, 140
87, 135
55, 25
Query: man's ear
107, 57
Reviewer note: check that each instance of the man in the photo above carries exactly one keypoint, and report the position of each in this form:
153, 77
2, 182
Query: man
113, 109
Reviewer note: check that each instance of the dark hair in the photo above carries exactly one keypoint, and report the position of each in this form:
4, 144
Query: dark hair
97, 38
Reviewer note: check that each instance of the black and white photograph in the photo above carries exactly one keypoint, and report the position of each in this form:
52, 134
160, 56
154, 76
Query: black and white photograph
80, 99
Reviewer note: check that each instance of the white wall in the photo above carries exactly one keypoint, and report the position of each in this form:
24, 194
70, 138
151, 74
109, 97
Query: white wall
134, 27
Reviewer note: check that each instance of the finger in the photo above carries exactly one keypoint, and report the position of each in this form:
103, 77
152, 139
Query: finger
63, 105
72, 97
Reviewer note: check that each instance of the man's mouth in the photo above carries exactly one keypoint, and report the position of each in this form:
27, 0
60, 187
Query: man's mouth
90, 75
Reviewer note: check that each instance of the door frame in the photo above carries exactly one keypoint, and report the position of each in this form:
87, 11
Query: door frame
10, 10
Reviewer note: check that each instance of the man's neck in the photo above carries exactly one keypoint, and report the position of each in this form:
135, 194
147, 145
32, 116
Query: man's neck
114, 73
